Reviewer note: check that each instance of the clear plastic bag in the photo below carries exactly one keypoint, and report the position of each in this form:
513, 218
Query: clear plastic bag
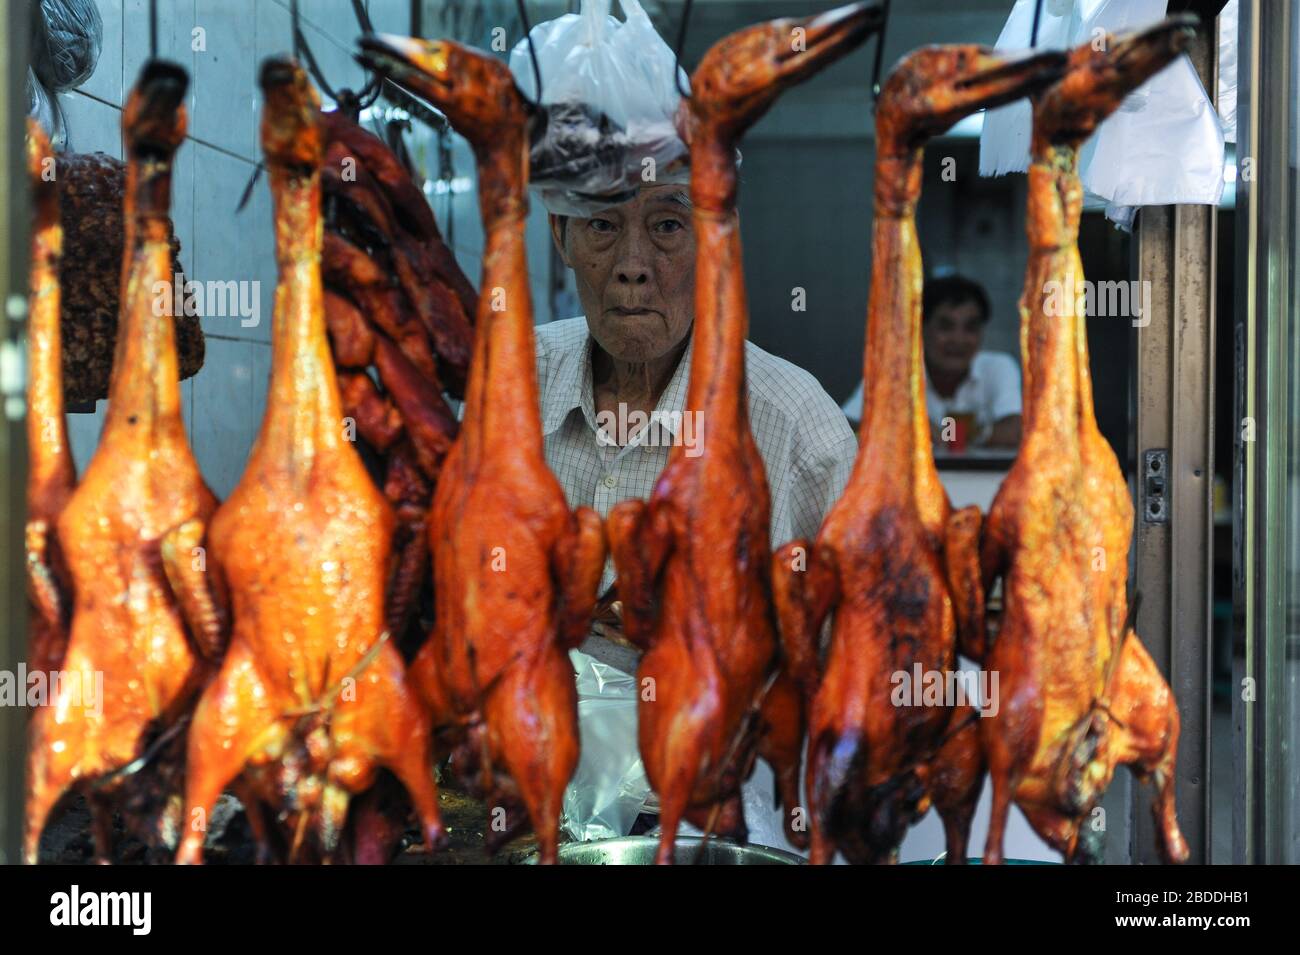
609, 788
1162, 147
66, 38
610, 101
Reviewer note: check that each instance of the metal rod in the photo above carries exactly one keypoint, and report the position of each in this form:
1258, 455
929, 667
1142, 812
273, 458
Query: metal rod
677, 50
1038, 15
880, 53
532, 51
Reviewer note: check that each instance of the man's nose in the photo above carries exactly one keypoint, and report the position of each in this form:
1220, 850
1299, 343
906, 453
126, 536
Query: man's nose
633, 265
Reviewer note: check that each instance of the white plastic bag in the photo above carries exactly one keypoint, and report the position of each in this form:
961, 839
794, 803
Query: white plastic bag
1163, 146
610, 100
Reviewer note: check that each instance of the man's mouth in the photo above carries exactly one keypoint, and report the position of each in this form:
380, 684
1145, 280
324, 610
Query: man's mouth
628, 310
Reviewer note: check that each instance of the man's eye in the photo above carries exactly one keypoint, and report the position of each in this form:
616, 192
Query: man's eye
601, 225
669, 226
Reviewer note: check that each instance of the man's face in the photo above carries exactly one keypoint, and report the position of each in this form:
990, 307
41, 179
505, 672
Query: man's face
635, 270
952, 336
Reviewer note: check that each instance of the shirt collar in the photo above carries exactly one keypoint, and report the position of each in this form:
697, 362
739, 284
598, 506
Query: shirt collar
571, 387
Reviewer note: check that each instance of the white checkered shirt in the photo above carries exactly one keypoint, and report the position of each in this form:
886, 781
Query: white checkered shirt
803, 437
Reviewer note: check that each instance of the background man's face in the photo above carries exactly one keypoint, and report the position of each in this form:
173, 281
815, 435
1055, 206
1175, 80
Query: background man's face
635, 270
952, 335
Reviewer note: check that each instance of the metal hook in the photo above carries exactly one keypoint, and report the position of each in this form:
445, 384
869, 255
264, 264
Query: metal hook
880, 54
677, 51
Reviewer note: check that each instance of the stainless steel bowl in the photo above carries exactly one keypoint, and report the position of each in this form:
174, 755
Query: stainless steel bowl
640, 850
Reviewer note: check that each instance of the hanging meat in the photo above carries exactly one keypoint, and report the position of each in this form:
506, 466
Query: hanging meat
51, 474
145, 623
693, 561
892, 562
312, 696
398, 311
515, 571
1080, 695
92, 187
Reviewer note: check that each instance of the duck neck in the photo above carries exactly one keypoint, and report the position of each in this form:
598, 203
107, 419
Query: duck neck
717, 380
51, 468
501, 404
1053, 339
144, 392
892, 365
303, 413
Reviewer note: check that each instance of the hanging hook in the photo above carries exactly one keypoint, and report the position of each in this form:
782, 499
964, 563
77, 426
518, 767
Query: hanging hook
1038, 14
532, 51
880, 55
153, 29
302, 52
677, 52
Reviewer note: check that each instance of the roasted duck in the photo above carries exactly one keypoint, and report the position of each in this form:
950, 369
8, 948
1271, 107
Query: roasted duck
515, 571
51, 475
144, 615
895, 565
693, 561
1079, 694
312, 697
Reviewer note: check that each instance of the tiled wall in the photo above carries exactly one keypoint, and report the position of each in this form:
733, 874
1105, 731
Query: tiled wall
221, 43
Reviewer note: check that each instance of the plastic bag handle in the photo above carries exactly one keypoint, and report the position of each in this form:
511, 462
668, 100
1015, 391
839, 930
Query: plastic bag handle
595, 14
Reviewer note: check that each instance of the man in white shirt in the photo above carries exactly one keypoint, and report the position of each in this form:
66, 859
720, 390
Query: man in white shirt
629, 356
963, 384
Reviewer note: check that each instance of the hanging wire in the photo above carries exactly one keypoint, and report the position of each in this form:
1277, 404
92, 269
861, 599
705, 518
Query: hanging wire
153, 29
1038, 15
532, 51
880, 54
677, 51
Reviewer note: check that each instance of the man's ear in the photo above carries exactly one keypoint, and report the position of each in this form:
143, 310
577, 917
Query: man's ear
558, 227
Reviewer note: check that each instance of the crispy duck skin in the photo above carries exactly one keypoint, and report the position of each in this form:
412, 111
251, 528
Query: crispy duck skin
146, 614
51, 475
312, 697
693, 561
890, 549
1079, 694
515, 571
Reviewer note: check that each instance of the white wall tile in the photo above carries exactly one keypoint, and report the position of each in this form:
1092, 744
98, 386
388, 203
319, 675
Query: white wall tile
175, 20
225, 76
391, 16
83, 434
228, 398
91, 125
257, 229
106, 81
223, 242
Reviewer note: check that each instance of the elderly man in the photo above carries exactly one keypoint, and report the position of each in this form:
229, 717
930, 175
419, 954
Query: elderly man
628, 359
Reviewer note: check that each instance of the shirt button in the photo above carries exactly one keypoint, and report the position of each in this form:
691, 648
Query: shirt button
610, 481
